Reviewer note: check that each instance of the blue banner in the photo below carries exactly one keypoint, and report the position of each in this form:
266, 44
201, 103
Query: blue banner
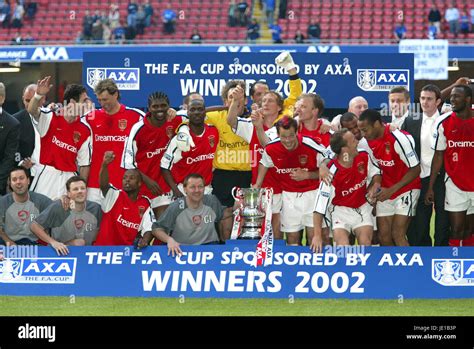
336, 77
227, 271
75, 53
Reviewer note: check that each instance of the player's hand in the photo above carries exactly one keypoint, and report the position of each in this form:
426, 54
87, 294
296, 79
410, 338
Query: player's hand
177, 193
144, 241
257, 118
184, 141
429, 197
43, 86
324, 128
154, 187
384, 194
299, 175
285, 61
109, 156
324, 174
26, 163
170, 114
60, 248
372, 193
463, 81
173, 248
316, 243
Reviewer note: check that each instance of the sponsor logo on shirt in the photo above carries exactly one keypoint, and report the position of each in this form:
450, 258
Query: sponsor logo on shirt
355, 187
460, 144
99, 138
158, 151
63, 145
199, 158
126, 223
386, 163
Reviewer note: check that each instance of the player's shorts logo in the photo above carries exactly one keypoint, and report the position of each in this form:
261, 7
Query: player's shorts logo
125, 78
453, 272
382, 79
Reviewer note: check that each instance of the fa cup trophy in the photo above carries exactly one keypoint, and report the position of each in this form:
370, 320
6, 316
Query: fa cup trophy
249, 217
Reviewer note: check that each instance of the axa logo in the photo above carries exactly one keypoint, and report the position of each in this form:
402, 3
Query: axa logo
38, 270
382, 79
453, 272
50, 54
125, 78
234, 48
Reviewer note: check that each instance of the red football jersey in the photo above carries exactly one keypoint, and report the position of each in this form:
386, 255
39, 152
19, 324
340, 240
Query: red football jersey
285, 161
247, 131
121, 218
395, 155
456, 137
316, 134
197, 160
63, 143
144, 148
109, 133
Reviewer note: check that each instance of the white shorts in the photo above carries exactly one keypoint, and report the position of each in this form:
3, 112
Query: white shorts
403, 205
276, 203
50, 182
166, 199
349, 219
95, 195
297, 210
456, 199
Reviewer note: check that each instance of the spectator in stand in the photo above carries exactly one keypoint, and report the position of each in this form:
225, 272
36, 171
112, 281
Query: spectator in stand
400, 32
118, 35
107, 33
148, 12
87, 23
17, 40
97, 32
9, 138
464, 23
244, 10
5, 14
253, 31
132, 9
472, 20
432, 31
434, 17
314, 33
232, 14
299, 37
196, 38
270, 11
18, 15
452, 17
169, 20
114, 17
276, 33
31, 9
140, 25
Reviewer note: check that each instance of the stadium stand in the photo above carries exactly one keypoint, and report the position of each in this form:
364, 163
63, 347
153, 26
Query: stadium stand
356, 21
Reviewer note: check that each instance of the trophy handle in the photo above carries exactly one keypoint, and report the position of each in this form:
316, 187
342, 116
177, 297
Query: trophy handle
236, 193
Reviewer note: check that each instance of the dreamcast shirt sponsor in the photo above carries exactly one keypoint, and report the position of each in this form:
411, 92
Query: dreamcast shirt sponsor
382, 79
125, 78
38, 270
453, 272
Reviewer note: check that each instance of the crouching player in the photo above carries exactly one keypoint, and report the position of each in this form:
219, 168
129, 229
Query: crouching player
352, 169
